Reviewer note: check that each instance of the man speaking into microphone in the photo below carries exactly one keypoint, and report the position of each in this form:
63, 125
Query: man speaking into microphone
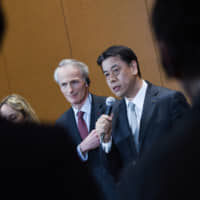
143, 114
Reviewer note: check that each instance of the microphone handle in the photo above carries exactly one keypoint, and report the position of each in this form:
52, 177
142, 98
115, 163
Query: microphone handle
108, 110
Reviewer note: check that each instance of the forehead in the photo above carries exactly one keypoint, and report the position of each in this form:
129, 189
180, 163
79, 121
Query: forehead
68, 72
111, 62
6, 109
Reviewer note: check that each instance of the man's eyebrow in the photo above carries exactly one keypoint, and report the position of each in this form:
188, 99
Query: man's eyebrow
113, 66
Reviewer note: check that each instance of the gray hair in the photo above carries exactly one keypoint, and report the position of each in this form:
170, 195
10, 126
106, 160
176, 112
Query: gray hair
67, 62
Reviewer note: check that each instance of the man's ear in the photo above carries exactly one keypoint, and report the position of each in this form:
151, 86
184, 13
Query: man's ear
133, 66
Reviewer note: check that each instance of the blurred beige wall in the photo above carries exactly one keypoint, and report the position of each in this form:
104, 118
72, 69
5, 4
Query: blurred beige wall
42, 32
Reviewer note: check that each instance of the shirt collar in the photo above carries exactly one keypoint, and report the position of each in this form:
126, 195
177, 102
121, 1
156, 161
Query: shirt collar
85, 107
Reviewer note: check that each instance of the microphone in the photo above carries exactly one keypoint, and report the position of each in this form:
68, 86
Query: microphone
109, 103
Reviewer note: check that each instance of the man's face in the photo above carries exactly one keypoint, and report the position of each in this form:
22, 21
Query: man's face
120, 76
72, 85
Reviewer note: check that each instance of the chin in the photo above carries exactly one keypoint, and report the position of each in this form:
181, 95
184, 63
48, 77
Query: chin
118, 95
115, 93
75, 102
72, 101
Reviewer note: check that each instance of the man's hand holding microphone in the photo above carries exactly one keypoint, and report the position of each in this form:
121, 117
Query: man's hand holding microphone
104, 123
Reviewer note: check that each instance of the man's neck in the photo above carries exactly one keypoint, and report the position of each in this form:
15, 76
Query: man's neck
136, 88
78, 106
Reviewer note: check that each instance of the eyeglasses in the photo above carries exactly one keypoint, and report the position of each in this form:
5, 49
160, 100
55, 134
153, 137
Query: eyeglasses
115, 71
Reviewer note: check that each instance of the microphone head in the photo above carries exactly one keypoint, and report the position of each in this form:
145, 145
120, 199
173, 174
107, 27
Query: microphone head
110, 101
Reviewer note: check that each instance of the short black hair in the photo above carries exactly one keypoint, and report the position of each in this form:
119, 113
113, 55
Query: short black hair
176, 24
126, 54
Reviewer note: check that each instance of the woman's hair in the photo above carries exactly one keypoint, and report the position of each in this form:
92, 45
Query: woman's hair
20, 104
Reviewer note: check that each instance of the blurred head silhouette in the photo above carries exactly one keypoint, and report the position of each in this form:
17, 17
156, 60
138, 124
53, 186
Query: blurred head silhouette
37, 161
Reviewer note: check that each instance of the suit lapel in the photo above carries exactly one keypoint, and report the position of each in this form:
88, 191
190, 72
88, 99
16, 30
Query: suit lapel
73, 127
148, 109
97, 110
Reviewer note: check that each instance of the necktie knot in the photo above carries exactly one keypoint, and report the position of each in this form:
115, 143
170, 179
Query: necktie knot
80, 114
131, 106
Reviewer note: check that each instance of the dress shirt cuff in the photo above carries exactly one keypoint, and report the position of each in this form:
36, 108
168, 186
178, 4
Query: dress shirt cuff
84, 157
106, 146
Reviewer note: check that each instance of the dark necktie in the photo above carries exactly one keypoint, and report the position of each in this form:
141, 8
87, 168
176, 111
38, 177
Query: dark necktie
82, 127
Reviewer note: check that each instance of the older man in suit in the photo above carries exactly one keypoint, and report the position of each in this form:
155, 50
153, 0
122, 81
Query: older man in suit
73, 80
145, 112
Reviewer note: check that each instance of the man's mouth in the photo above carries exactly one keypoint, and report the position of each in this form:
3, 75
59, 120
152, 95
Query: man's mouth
116, 88
72, 95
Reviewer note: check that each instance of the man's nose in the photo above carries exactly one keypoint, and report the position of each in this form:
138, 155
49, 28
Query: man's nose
69, 88
112, 77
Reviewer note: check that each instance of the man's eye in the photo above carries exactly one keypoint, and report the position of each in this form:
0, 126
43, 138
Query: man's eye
106, 74
75, 82
64, 84
116, 70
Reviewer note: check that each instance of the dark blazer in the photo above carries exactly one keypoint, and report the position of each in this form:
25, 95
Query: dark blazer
171, 170
161, 108
68, 122
94, 163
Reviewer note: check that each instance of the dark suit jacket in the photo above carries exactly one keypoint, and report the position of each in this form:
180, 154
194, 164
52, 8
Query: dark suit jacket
68, 122
171, 170
94, 163
161, 108
37, 162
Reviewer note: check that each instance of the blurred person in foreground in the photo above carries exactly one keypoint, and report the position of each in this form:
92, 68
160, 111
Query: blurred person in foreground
172, 169
37, 161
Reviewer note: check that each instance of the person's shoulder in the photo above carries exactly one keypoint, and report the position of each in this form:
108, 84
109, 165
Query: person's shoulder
163, 91
65, 115
98, 100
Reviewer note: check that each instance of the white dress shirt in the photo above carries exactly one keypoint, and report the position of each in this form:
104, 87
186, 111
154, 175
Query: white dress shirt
86, 108
138, 100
